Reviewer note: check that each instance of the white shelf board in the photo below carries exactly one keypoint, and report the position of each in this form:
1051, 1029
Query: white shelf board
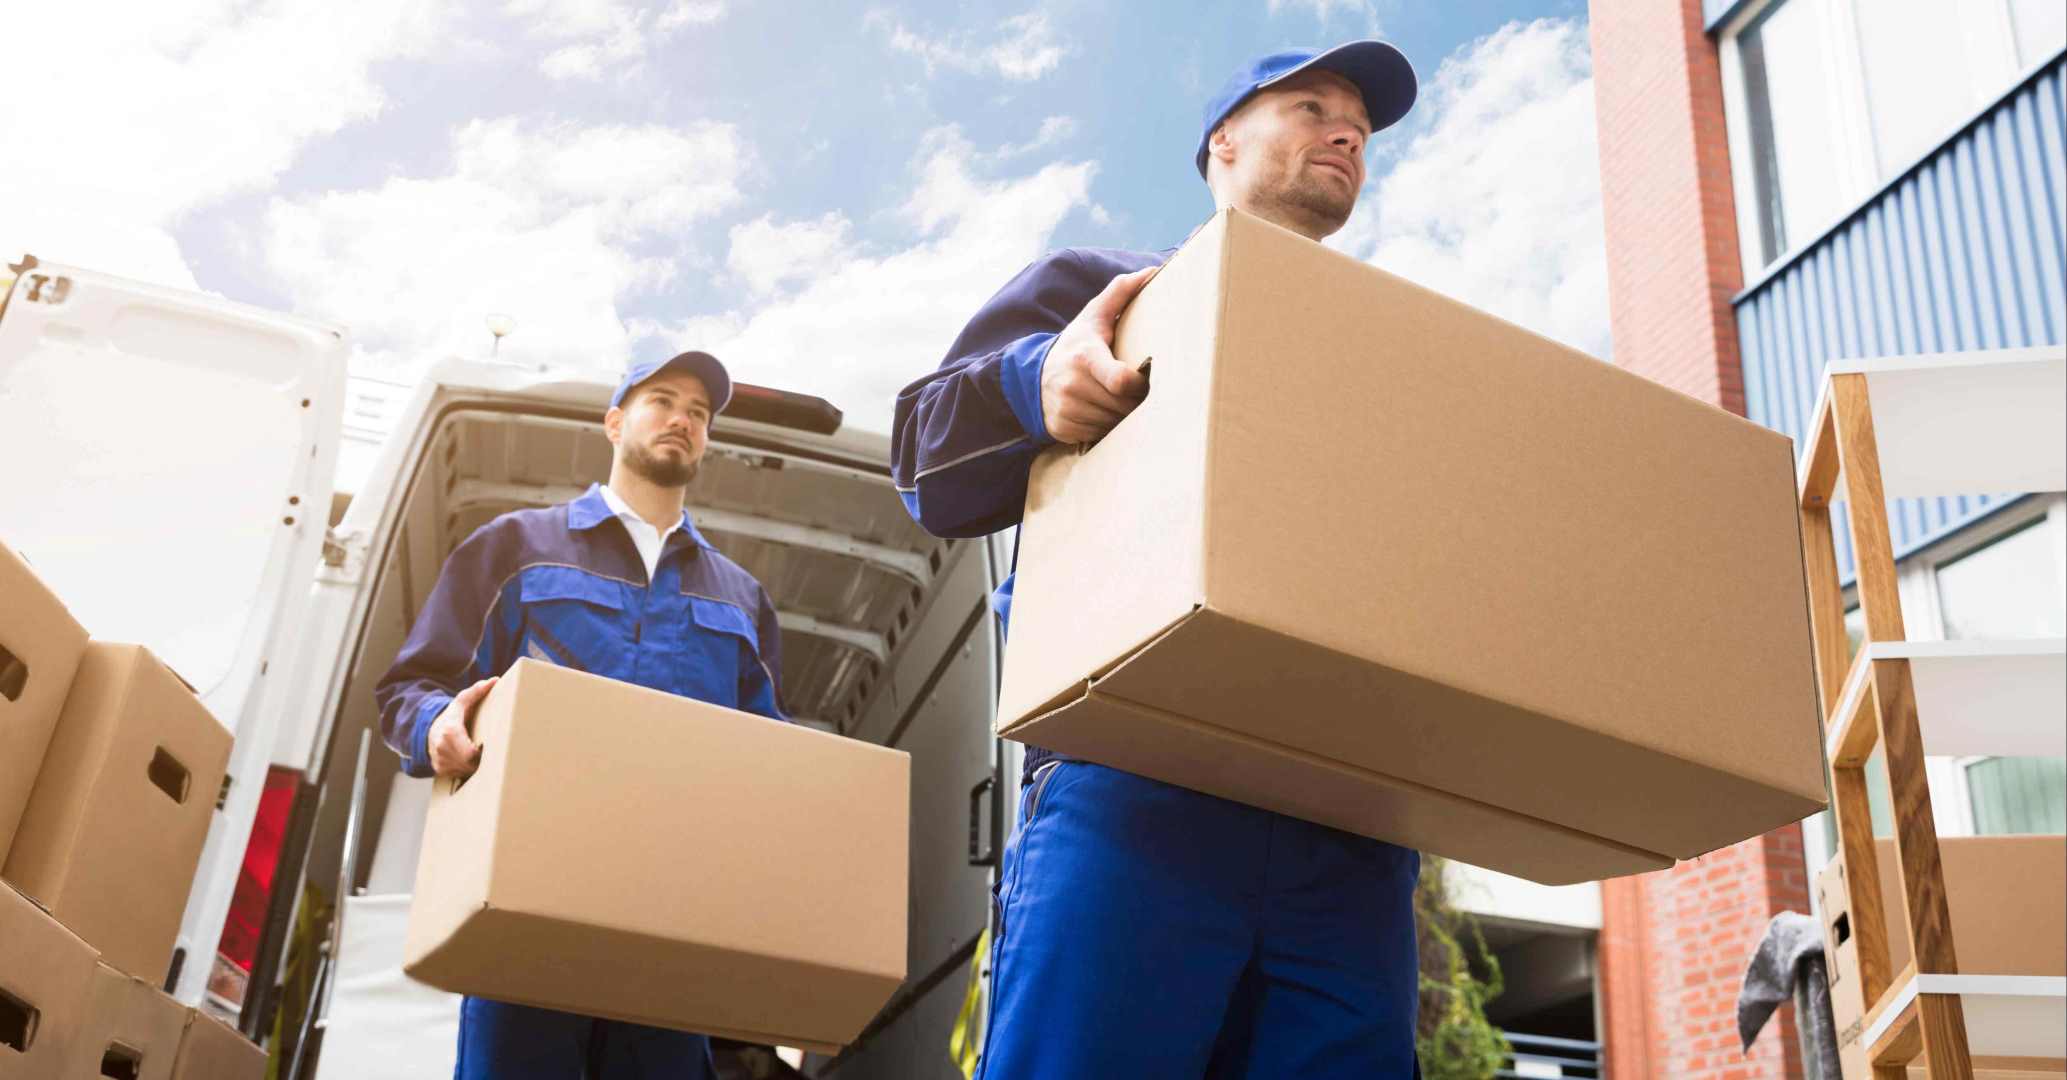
2007, 1015
1977, 697
1972, 423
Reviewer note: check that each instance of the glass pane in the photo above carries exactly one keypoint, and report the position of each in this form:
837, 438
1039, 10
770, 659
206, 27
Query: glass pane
2009, 589
2019, 795
1789, 89
1919, 78
2041, 27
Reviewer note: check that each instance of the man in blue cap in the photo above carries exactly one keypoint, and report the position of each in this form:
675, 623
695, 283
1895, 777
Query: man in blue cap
618, 583
1145, 930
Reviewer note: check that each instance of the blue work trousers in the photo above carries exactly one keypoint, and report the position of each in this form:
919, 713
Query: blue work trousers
501, 1041
1148, 931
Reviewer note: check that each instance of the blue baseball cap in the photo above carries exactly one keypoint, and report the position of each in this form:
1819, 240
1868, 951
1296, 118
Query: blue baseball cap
703, 365
1380, 71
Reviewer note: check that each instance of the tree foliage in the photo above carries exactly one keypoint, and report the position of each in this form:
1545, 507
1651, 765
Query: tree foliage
1459, 975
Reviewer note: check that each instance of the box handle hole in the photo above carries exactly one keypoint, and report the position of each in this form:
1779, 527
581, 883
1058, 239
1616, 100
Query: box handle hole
17, 1023
169, 776
1842, 928
121, 1062
14, 675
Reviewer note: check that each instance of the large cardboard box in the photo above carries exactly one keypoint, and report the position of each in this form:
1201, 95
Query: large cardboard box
632, 854
46, 978
1371, 557
40, 645
131, 1032
2007, 896
212, 1050
112, 834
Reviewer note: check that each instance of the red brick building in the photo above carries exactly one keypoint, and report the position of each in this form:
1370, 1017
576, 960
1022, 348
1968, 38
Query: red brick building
1825, 225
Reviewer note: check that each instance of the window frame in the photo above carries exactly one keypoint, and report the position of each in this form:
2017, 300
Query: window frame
1857, 160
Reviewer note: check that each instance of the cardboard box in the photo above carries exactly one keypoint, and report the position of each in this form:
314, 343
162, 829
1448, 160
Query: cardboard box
40, 645
2007, 896
131, 1032
636, 855
1370, 557
46, 978
212, 1050
112, 834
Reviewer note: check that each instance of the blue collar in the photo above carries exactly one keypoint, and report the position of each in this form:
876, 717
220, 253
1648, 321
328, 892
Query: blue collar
591, 510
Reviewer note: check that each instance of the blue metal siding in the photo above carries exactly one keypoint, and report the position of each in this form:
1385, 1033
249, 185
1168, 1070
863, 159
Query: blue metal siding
1967, 250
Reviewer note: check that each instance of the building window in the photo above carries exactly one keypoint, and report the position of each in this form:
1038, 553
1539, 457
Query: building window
1829, 99
2018, 795
2041, 27
2010, 588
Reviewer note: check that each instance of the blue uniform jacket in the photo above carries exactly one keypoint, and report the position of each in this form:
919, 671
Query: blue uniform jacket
566, 585
964, 438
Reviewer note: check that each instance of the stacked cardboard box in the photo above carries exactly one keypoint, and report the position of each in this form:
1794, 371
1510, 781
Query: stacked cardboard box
109, 770
1370, 557
40, 645
2007, 897
675, 874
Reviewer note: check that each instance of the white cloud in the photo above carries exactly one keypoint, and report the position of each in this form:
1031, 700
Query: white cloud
858, 327
1053, 130
599, 37
543, 222
766, 255
1025, 47
1325, 10
1497, 200
123, 117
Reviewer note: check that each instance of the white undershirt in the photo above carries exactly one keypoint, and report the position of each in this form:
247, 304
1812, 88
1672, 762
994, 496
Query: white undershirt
648, 539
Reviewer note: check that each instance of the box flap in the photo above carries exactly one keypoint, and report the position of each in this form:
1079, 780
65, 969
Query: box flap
1236, 765
1291, 692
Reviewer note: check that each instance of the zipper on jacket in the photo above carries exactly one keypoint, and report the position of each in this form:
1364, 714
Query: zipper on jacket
1041, 776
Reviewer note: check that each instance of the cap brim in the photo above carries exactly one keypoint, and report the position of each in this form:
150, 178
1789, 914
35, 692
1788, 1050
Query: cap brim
1380, 71
708, 370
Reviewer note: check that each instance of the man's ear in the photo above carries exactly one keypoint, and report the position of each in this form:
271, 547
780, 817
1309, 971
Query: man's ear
1220, 145
613, 424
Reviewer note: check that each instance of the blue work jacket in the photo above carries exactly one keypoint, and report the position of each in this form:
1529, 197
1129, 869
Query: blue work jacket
964, 437
567, 585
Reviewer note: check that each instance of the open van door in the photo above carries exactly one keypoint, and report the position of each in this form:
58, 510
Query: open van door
168, 461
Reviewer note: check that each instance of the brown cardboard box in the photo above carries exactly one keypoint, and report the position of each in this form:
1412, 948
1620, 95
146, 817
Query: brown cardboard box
1368, 556
46, 978
698, 868
39, 649
131, 1032
212, 1050
111, 836
2007, 896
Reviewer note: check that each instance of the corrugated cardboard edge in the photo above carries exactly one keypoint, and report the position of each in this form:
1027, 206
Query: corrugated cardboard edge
429, 970
1005, 724
1641, 860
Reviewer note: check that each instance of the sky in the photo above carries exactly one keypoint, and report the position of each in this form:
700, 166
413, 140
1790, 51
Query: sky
821, 192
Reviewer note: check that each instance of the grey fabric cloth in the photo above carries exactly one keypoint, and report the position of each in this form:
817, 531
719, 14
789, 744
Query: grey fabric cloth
1789, 964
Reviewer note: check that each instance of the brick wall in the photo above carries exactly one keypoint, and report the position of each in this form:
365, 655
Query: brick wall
1665, 196
1674, 944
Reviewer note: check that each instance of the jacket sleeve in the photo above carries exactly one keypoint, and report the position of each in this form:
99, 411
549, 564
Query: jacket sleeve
760, 687
466, 632
964, 437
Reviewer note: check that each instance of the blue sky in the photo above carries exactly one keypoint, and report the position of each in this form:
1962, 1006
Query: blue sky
820, 190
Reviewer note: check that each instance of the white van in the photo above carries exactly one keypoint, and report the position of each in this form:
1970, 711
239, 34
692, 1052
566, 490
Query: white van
167, 463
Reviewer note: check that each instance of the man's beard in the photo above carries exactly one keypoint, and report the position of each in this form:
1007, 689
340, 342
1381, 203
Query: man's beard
664, 472
1314, 200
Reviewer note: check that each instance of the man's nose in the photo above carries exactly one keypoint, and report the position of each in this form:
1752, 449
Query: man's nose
1351, 141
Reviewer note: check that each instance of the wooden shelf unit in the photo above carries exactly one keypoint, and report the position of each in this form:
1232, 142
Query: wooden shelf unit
1964, 424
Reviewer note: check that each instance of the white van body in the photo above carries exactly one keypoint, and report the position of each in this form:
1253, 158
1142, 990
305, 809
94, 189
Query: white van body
186, 449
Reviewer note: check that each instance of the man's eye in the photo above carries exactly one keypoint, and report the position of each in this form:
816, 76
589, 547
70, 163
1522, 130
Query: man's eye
1313, 107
